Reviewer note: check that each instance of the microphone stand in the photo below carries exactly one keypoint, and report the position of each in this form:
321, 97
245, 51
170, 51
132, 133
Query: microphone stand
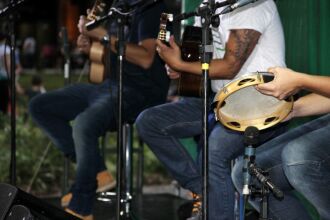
120, 159
251, 135
123, 198
251, 170
206, 13
123, 195
206, 55
9, 11
67, 81
12, 41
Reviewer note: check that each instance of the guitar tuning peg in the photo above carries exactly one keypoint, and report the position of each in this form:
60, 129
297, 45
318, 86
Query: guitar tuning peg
168, 36
170, 17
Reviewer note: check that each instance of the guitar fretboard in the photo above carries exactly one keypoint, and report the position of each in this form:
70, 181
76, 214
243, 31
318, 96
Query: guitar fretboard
97, 10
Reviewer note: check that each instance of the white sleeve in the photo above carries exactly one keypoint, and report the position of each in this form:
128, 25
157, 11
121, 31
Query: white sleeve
256, 16
197, 21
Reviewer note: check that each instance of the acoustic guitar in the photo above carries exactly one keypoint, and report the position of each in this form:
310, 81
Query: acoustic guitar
97, 55
188, 84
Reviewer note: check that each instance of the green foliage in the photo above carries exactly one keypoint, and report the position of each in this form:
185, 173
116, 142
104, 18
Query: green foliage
31, 145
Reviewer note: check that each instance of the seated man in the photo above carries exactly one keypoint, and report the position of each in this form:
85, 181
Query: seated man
299, 159
94, 108
243, 43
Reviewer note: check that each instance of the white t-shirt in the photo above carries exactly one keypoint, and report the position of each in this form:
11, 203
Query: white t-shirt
3, 53
261, 16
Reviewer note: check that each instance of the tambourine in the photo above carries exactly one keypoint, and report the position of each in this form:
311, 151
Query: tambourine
239, 105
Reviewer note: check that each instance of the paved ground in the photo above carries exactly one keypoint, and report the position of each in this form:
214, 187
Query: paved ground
145, 207
168, 202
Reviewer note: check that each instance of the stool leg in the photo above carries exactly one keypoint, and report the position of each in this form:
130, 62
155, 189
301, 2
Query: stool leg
126, 173
128, 143
139, 174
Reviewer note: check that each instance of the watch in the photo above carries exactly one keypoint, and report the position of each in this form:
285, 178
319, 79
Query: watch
105, 39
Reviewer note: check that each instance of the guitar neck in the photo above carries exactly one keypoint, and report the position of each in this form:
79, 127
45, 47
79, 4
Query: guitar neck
163, 34
97, 10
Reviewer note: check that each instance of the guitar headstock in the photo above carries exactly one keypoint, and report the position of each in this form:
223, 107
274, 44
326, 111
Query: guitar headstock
164, 34
99, 9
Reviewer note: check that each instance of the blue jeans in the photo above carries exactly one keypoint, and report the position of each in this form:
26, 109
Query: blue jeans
92, 110
300, 160
162, 126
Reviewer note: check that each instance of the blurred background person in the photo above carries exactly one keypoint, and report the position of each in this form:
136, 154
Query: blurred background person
29, 52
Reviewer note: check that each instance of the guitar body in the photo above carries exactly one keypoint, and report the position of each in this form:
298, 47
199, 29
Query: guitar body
98, 64
97, 71
188, 84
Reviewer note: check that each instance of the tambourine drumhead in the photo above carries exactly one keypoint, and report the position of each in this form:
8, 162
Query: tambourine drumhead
239, 105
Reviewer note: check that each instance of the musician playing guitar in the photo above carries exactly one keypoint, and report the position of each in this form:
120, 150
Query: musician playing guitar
93, 43
93, 107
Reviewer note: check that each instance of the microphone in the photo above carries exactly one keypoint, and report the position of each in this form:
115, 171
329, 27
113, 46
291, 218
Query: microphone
10, 7
224, 3
184, 16
237, 4
266, 181
142, 4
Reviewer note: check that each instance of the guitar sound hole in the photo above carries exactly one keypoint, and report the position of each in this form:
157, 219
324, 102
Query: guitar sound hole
242, 82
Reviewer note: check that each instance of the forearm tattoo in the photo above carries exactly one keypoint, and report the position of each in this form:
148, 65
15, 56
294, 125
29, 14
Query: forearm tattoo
244, 42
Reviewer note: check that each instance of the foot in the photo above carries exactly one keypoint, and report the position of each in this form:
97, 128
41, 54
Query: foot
83, 217
105, 182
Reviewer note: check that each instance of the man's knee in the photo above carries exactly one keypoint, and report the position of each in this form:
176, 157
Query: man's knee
145, 121
36, 105
295, 159
294, 153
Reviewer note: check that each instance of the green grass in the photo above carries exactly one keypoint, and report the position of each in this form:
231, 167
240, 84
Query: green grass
50, 81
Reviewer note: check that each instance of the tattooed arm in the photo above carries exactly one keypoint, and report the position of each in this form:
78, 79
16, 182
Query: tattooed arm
239, 46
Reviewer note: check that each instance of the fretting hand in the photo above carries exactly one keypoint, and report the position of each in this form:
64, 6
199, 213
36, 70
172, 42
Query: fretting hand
170, 54
84, 43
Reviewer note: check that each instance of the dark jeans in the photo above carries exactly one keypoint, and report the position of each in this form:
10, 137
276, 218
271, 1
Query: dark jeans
162, 126
91, 108
300, 160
